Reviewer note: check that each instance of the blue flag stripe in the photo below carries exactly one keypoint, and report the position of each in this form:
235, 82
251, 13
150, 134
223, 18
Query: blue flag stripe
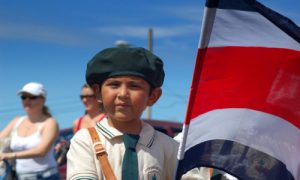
277, 19
241, 161
229, 4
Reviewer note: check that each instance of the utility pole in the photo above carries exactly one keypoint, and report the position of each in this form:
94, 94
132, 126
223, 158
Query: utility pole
150, 46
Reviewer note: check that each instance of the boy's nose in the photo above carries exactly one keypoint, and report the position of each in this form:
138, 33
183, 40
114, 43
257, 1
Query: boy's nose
123, 92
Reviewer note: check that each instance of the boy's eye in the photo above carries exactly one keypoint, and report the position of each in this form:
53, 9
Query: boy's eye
112, 84
135, 85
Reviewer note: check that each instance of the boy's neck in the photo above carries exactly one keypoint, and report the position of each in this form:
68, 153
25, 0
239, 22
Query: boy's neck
129, 127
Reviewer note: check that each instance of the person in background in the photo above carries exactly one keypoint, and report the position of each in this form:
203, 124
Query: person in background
93, 110
33, 136
93, 114
126, 81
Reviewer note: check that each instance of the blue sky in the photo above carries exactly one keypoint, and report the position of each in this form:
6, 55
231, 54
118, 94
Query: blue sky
51, 41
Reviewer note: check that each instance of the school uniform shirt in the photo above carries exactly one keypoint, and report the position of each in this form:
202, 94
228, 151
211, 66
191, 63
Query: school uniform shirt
156, 153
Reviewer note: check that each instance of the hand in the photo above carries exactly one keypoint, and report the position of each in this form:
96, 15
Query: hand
7, 156
57, 147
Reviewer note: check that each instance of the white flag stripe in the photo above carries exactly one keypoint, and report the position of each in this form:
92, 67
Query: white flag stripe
259, 130
248, 29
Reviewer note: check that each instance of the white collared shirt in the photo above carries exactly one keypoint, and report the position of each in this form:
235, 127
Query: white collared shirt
156, 153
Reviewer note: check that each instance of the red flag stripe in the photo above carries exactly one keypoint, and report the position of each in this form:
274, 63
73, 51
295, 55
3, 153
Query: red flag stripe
264, 79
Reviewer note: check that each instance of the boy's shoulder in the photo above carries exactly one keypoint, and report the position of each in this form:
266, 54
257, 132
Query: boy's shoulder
165, 138
157, 136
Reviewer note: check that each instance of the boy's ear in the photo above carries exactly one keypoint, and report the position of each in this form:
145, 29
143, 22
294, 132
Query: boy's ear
154, 96
97, 91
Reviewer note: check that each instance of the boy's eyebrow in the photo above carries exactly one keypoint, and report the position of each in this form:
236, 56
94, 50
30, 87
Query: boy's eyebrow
108, 80
127, 82
133, 79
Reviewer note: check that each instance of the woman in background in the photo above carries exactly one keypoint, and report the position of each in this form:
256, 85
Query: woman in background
93, 114
93, 110
33, 136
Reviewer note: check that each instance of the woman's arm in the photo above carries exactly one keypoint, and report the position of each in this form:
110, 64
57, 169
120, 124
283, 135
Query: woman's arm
75, 125
8, 129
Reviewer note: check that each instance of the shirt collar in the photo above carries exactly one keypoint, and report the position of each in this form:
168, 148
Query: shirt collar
147, 133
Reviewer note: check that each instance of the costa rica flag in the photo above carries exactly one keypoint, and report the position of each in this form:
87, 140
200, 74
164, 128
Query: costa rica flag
243, 115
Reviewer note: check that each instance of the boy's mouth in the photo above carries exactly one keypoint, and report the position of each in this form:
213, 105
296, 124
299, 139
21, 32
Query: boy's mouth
122, 105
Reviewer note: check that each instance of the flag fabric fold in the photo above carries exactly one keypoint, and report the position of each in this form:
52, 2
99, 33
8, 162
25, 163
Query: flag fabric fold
243, 115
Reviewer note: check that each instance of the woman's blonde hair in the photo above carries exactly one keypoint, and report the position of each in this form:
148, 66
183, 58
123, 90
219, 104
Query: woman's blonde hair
46, 111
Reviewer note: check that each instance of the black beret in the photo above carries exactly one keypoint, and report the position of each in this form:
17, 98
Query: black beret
125, 61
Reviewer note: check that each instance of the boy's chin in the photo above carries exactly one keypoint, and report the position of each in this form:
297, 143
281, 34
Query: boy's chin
123, 119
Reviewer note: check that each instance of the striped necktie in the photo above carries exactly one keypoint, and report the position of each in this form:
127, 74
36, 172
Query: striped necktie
130, 162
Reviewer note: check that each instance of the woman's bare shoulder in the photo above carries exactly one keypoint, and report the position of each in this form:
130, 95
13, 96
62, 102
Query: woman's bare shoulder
51, 121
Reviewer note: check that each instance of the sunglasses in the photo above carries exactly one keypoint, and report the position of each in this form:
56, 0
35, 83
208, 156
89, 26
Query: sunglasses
29, 97
87, 96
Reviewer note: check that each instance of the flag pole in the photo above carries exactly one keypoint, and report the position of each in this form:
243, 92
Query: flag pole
201, 53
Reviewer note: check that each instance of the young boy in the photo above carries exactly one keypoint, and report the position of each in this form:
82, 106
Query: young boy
126, 81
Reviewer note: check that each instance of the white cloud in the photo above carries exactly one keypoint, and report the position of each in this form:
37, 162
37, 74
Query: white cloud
39, 33
82, 37
141, 31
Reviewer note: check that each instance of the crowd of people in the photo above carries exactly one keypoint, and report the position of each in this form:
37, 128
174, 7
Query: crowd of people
110, 140
32, 136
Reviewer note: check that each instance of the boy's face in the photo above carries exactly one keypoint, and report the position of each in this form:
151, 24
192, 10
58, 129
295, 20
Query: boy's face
125, 97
